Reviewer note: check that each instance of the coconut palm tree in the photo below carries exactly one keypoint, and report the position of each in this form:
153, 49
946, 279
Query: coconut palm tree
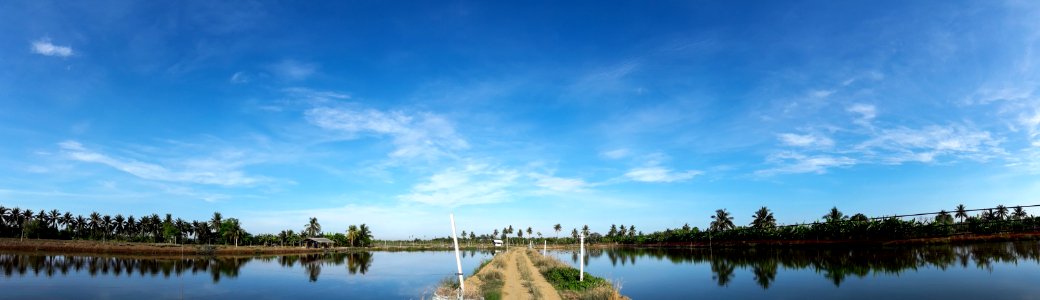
763, 219
574, 234
834, 215
943, 218
557, 227
215, 222
722, 220
352, 234
313, 228
364, 235
961, 212
631, 230
1019, 213
585, 230
1002, 212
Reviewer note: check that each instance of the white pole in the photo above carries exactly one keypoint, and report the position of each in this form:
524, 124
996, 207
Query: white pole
458, 261
543, 248
581, 262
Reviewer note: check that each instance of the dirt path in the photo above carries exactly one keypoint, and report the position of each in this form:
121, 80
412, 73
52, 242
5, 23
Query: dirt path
547, 291
513, 283
513, 288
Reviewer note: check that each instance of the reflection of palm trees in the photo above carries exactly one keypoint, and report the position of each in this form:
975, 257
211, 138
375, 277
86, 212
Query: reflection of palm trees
723, 271
359, 262
765, 273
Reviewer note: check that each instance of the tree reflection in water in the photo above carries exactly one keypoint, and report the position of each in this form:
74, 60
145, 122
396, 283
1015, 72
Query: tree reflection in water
836, 263
217, 267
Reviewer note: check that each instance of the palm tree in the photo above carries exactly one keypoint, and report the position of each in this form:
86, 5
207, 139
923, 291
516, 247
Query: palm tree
557, 227
585, 230
722, 220
364, 235
529, 232
352, 234
763, 219
574, 234
1002, 212
313, 228
834, 215
943, 218
215, 222
1019, 213
631, 230
962, 213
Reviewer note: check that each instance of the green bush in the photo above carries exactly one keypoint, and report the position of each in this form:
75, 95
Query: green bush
567, 279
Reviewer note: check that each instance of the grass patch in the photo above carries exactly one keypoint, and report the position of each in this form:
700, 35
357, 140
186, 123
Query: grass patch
567, 279
491, 284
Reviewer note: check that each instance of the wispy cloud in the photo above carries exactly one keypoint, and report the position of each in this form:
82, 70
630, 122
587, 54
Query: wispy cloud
793, 162
898, 145
559, 184
866, 113
293, 70
468, 185
422, 134
660, 174
805, 140
45, 47
213, 172
615, 154
239, 77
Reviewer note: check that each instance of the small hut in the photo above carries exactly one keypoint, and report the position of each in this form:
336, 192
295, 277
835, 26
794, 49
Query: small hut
498, 243
318, 242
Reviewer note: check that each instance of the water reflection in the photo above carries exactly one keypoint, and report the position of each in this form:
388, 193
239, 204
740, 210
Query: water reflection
833, 263
217, 267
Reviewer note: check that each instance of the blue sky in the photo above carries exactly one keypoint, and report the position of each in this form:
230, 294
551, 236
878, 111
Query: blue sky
523, 114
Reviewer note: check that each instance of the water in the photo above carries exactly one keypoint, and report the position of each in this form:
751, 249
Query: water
976, 271
985, 270
366, 275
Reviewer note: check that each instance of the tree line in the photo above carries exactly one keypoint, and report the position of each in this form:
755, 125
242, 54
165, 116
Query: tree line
26, 223
834, 225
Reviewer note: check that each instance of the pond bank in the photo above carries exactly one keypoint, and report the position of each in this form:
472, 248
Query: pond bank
522, 274
118, 247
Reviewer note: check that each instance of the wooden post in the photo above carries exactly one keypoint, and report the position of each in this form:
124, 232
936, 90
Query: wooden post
458, 260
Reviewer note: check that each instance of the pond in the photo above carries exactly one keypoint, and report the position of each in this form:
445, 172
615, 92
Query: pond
365, 275
991, 270
973, 271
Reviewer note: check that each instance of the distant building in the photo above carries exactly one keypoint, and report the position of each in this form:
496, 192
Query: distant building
317, 242
498, 243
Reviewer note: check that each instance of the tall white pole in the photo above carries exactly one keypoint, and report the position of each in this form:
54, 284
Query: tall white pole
543, 248
458, 260
581, 262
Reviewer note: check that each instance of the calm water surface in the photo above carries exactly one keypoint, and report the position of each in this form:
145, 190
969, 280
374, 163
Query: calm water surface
368, 275
976, 271
987, 270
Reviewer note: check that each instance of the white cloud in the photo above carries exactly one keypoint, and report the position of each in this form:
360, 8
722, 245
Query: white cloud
660, 174
239, 77
559, 184
470, 185
616, 153
895, 146
45, 47
806, 140
214, 172
792, 162
866, 112
424, 135
818, 94
293, 70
